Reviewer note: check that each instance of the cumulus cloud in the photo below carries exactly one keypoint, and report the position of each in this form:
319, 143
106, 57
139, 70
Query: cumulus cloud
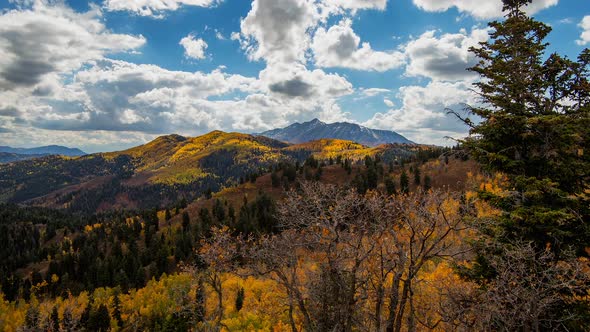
340, 46
445, 57
295, 80
585, 36
53, 39
276, 30
422, 116
388, 102
479, 9
154, 8
194, 47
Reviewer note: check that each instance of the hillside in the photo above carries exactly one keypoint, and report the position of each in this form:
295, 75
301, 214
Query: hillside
8, 157
165, 170
316, 129
160, 172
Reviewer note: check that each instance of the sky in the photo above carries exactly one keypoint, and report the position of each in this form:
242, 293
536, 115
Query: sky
105, 75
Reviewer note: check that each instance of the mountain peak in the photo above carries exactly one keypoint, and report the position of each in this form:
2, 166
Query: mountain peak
316, 129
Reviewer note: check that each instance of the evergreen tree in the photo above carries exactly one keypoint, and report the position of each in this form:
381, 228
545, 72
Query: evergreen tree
390, 186
535, 128
100, 320
417, 176
240, 299
404, 183
186, 221
427, 183
218, 211
54, 319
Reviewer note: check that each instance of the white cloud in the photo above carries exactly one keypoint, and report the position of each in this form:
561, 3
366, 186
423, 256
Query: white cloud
39, 43
193, 47
339, 46
294, 80
154, 8
371, 92
445, 57
356, 4
388, 102
277, 30
585, 36
422, 116
219, 35
481, 9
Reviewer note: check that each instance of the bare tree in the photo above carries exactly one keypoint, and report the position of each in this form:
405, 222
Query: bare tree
350, 261
529, 289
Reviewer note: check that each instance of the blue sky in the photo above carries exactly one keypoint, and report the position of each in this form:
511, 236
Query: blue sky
105, 75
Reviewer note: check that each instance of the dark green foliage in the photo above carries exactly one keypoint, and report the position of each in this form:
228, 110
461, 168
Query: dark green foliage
240, 299
427, 183
390, 186
531, 132
219, 211
258, 216
99, 319
347, 166
186, 221
54, 319
404, 183
311, 162
535, 128
117, 310
417, 176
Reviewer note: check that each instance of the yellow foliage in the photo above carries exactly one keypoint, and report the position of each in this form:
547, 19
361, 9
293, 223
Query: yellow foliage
12, 315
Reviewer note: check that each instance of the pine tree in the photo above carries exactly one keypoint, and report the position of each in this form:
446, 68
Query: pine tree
427, 183
533, 132
535, 128
404, 183
417, 176
240, 299
186, 221
54, 319
390, 186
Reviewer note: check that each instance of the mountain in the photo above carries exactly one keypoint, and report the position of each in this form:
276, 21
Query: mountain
7, 157
315, 130
158, 173
44, 150
167, 169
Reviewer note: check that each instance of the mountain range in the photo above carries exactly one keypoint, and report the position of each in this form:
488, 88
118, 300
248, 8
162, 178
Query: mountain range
316, 129
166, 170
27, 153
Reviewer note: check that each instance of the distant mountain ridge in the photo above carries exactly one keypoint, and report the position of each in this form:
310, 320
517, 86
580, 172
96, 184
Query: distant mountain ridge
7, 157
161, 172
44, 150
316, 130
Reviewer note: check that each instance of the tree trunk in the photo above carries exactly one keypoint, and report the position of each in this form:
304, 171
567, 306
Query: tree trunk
393, 302
402, 305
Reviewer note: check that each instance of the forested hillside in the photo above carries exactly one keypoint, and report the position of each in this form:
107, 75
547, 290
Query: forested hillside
166, 170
